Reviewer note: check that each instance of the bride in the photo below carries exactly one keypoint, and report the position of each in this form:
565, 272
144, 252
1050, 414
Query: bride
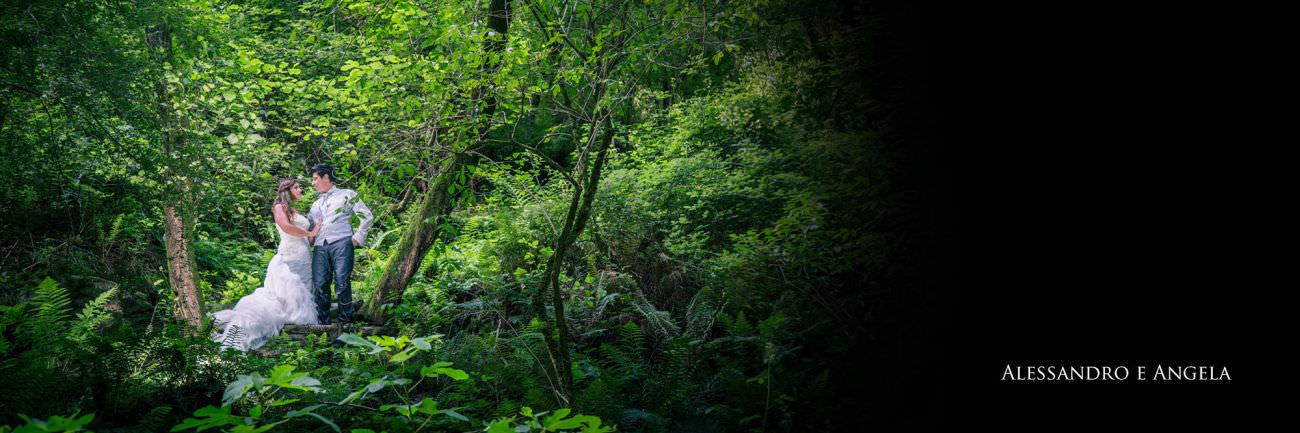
285, 295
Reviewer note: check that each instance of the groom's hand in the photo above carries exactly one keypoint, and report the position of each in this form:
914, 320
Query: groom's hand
355, 243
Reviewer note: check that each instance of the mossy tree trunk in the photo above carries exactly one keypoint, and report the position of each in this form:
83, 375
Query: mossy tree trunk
178, 212
425, 226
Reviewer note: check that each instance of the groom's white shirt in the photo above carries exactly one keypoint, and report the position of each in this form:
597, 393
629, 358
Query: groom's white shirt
326, 208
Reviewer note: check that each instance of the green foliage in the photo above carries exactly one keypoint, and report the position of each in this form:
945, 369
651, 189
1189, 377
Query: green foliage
90, 319
555, 422
747, 230
282, 398
54, 424
39, 341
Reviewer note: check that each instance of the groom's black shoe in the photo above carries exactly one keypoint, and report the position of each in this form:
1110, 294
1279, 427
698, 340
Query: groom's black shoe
337, 343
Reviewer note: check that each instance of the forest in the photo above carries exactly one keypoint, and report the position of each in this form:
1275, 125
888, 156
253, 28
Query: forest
588, 215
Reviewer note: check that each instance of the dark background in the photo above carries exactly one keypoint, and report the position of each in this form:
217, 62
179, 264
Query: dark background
1099, 192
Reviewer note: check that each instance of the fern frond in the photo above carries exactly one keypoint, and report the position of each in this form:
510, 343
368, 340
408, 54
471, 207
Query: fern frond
471, 229
51, 311
658, 320
155, 420
92, 315
232, 337
738, 326
9, 317
598, 312
635, 419
632, 337
379, 239
115, 230
592, 274
673, 371
626, 359
700, 315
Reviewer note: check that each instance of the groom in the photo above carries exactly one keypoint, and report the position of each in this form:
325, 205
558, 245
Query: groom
331, 259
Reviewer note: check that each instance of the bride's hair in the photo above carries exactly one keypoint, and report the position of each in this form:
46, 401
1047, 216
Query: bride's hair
282, 195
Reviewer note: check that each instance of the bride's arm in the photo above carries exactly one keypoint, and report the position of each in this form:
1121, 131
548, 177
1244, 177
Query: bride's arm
282, 220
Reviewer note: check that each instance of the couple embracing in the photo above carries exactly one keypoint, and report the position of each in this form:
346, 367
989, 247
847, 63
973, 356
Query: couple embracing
315, 252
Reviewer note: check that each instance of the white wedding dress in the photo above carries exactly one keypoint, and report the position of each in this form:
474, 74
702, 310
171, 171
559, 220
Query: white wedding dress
285, 297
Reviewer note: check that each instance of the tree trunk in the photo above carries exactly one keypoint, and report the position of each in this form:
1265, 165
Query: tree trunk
574, 223
180, 265
427, 222
177, 213
419, 235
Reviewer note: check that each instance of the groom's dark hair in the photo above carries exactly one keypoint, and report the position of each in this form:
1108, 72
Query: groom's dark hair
325, 170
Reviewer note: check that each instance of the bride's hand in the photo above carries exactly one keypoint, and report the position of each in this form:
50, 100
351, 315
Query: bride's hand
316, 229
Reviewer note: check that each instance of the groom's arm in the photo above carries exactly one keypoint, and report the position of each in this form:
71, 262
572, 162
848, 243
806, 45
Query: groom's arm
313, 216
314, 213
359, 238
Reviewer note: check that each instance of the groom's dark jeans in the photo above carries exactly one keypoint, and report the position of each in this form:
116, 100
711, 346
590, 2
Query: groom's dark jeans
332, 262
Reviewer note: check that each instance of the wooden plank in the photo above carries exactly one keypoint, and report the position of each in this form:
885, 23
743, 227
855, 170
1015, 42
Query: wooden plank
297, 331
334, 329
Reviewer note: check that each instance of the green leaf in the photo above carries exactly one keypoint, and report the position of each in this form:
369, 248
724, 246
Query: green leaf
452, 413
353, 396
428, 406
305, 382
356, 340
325, 420
209, 417
441, 369
501, 426
405, 409
403, 355
250, 428
375, 386
53, 424
237, 389
557, 422
310, 411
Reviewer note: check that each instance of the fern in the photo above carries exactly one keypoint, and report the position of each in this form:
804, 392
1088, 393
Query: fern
9, 316
233, 336
625, 359
516, 188
738, 326
472, 228
51, 311
591, 267
45, 349
114, 231
631, 337
92, 315
379, 239
156, 420
673, 374
701, 314
598, 310
659, 321
634, 419
52, 301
